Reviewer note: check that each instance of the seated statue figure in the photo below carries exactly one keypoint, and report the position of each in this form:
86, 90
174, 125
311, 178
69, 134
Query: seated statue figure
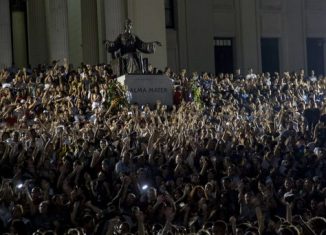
126, 51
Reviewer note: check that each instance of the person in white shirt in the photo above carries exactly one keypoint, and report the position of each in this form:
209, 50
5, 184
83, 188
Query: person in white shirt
313, 77
251, 75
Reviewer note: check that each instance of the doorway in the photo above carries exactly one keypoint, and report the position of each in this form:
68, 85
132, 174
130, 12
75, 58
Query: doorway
315, 55
270, 55
223, 55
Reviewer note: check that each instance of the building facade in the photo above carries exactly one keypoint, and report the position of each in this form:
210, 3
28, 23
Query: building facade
40, 31
266, 35
200, 35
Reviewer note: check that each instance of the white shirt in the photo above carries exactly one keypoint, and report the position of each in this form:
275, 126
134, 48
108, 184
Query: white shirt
313, 78
251, 76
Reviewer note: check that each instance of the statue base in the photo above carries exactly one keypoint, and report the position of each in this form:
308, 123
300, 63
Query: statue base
146, 89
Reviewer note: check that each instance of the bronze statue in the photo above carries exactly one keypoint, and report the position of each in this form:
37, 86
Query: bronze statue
125, 51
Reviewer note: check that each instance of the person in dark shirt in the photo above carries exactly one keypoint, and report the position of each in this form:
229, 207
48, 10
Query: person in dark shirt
311, 116
177, 97
43, 219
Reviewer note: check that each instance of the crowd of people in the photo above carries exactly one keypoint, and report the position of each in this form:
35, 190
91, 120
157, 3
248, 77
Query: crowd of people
236, 154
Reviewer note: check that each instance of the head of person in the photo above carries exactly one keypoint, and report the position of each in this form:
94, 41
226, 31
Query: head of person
248, 197
44, 207
219, 228
317, 224
131, 199
123, 228
17, 211
18, 227
151, 194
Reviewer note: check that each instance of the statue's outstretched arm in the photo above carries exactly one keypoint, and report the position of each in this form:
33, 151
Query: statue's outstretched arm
111, 46
158, 43
147, 47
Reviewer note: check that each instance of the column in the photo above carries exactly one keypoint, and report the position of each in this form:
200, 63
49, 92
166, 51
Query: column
238, 37
37, 37
200, 35
294, 35
58, 29
250, 36
5, 34
181, 23
75, 32
148, 18
89, 31
101, 31
115, 15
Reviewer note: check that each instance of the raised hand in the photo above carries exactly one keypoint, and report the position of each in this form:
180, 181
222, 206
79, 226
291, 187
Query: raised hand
139, 215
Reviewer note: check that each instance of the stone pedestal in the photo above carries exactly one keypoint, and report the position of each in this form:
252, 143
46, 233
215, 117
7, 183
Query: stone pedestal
148, 89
